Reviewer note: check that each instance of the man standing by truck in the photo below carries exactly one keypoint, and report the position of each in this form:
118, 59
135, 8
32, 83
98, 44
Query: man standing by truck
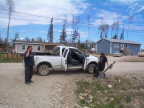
101, 63
29, 63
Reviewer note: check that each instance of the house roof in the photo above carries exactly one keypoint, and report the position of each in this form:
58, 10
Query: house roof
36, 42
120, 41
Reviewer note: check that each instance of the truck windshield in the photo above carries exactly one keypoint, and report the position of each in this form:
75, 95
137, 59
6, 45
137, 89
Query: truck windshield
56, 51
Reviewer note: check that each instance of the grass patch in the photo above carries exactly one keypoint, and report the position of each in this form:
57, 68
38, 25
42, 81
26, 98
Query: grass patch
11, 60
96, 94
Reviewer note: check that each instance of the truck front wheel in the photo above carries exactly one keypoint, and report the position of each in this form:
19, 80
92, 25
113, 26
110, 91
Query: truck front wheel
90, 68
43, 69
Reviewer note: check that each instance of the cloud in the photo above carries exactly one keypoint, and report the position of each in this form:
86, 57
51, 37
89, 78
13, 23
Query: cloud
124, 1
58, 9
108, 20
135, 27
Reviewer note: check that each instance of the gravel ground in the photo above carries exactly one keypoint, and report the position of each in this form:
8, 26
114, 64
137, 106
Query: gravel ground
55, 90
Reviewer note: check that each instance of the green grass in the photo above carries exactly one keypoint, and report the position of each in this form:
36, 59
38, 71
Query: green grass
11, 60
120, 96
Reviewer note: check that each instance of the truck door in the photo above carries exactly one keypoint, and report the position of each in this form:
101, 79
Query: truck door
85, 62
64, 59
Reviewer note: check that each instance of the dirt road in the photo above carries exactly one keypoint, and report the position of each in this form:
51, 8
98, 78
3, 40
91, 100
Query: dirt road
53, 91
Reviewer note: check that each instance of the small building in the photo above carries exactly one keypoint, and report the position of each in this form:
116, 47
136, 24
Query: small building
38, 47
110, 46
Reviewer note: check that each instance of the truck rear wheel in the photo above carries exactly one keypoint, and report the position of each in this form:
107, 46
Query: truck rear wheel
90, 68
43, 70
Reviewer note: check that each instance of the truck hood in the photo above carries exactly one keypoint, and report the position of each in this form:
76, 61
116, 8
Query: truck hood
93, 58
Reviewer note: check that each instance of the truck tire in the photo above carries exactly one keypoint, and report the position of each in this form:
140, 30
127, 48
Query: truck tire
90, 68
43, 70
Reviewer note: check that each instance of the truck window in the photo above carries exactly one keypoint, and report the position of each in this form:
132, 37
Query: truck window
65, 52
56, 51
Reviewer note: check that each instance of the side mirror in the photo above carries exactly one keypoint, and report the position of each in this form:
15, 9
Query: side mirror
87, 55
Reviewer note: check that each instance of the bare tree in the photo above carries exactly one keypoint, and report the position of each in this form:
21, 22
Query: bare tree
106, 29
117, 27
75, 22
114, 25
10, 4
112, 28
130, 18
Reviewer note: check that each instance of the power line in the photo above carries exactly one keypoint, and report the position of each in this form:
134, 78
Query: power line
141, 31
40, 16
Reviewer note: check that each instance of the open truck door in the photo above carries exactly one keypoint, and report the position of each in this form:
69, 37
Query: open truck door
64, 59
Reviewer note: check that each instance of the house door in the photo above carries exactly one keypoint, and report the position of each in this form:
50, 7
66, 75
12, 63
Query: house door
122, 45
126, 45
64, 59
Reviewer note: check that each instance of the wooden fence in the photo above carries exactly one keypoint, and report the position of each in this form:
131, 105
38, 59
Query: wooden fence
12, 56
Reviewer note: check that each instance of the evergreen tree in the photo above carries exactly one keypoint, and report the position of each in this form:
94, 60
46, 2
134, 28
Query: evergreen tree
32, 39
63, 35
115, 37
122, 35
50, 32
39, 39
74, 36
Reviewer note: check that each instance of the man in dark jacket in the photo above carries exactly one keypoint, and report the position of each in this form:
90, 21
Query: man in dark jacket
29, 63
102, 61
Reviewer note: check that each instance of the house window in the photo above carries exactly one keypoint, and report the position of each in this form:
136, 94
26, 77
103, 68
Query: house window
23, 47
51, 48
116, 45
38, 48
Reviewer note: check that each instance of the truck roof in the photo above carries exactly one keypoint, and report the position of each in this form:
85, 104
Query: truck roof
67, 47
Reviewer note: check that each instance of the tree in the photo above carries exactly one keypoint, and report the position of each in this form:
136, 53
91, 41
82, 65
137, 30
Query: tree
78, 34
10, 8
117, 27
74, 37
32, 39
16, 36
101, 35
112, 28
115, 37
63, 33
104, 30
131, 18
39, 39
75, 22
50, 32
27, 39
101, 29
122, 35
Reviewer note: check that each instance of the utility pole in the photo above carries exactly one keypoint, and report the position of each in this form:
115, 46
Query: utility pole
88, 18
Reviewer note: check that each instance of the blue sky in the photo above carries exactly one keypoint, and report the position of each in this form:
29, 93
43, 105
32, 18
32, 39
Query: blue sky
26, 22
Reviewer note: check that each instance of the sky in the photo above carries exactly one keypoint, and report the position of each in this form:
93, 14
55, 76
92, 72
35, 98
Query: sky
31, 18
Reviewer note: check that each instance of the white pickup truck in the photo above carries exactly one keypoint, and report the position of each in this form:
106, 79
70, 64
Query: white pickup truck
64, 57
